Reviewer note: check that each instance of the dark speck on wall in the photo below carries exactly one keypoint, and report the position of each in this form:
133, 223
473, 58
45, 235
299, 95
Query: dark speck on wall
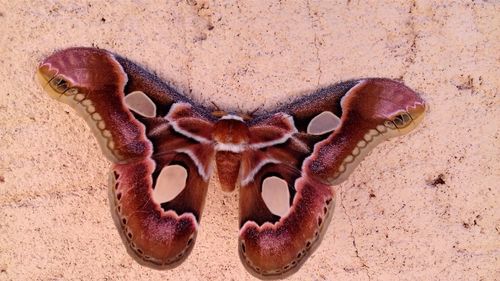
438, 180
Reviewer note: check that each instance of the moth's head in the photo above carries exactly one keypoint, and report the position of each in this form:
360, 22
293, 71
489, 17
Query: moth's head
221, 113
386, 102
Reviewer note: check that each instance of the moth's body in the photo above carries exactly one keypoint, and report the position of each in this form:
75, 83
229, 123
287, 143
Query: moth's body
231, 136
163, 147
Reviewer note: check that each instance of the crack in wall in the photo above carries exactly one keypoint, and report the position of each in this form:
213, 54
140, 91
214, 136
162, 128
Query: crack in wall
413, 34
189, 59
317, 43
351, 234
189, 63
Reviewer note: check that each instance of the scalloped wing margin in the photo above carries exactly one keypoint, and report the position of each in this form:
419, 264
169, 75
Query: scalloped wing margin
95, 83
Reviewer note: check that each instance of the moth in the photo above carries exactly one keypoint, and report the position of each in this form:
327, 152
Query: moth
285, 161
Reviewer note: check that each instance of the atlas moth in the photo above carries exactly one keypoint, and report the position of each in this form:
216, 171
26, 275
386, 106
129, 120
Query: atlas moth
285, 161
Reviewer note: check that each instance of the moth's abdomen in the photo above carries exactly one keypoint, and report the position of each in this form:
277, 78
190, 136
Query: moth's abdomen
228, 167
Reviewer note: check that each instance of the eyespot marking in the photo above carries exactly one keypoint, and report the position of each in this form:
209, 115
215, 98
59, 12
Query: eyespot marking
323, 123
59, 84
141, 104
402, 120
276, 195
170, 182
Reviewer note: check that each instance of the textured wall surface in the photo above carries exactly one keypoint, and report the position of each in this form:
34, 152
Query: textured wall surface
421, 207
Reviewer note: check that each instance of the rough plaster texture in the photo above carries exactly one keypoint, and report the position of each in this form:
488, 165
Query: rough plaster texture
420, 207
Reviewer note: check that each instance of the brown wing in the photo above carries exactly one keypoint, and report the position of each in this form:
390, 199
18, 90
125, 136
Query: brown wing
333, 130
158, 143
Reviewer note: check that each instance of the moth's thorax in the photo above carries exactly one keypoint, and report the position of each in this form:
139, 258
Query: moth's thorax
230, 130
